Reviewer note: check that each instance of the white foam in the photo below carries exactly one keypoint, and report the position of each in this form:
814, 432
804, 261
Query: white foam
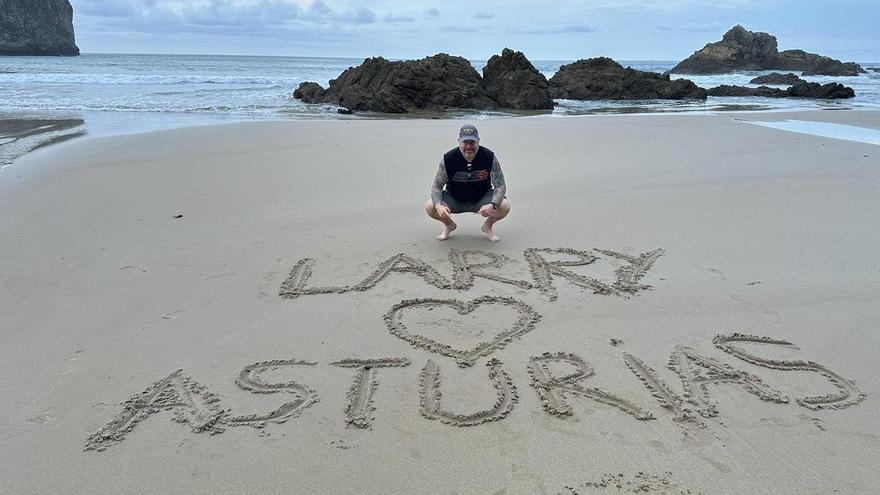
825, 129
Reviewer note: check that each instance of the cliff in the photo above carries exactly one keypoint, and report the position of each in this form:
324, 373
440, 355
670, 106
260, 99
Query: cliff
31, 27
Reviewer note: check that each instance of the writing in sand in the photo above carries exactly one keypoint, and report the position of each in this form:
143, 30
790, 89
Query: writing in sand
556, 377
466, 266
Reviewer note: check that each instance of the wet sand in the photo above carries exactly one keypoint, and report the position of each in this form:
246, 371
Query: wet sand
21, 135
679, 304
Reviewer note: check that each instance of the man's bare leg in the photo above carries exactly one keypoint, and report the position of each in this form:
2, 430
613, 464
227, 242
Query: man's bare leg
448, 227
446, 220
501, 212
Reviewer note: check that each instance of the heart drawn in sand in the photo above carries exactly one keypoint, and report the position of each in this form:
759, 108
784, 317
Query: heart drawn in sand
464, 357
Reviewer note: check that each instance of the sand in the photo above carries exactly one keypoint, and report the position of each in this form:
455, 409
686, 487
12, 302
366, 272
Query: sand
679, 304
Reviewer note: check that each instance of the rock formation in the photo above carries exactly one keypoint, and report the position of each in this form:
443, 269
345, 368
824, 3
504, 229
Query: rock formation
513, 82
800, 89
815, 65
435, 83
776, 78
729, 90
604, 79
741, 49
43, 27
310, 92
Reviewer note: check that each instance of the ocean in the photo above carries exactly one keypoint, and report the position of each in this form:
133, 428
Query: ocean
119, 93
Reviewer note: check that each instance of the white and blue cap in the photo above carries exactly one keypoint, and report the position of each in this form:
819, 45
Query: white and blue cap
468, 133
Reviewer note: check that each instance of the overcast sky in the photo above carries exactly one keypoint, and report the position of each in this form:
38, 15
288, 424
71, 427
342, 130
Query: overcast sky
621, 29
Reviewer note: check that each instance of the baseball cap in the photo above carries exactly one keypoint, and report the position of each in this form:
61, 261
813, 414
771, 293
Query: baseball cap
468, 133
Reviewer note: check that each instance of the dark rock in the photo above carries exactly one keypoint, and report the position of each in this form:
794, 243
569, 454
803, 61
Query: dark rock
727, 90
436, 83
813, 65
43, 27
776, 78
828, 91
344, 111
310, 92
604, 79
741, 49
800, 89
513, 82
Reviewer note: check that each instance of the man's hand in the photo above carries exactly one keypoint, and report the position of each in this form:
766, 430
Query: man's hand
487, 210
442, 211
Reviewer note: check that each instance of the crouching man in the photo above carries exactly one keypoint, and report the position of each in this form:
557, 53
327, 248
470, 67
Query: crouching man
469, 179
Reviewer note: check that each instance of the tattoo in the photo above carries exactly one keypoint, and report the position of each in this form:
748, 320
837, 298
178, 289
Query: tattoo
439, 182
497, 177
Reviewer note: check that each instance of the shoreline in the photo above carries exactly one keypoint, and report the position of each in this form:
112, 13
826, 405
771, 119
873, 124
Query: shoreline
122, 124
19, 122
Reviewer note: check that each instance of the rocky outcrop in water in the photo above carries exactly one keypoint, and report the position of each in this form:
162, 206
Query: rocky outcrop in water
43, 27
776, 78
815, 65
604, 79
513, 82
800, 89
730, 90
741, 49
310, 92
435, 83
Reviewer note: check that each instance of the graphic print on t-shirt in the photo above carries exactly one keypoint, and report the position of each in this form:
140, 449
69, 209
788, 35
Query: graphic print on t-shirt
476, 176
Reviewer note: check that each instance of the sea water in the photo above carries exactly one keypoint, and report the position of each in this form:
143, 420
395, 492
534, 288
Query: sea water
119, 93
825, 129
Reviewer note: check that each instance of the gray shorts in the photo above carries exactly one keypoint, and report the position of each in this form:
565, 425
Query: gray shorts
456, 206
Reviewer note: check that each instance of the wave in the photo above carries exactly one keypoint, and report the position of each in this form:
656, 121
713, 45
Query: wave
148, 79
230, 109
230, 87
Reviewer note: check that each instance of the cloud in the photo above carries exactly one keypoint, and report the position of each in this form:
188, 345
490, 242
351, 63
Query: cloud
225, 13
165, 16
397, 18
692, 27
361, 16
459, 29
624, 28
571, 28
319, 8
666, 5
578, 28
106, 9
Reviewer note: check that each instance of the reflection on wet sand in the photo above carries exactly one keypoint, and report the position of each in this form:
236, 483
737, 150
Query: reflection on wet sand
22, 135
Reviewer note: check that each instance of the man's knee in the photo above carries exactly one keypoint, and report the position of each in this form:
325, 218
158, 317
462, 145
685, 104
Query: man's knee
503, 208
430, 210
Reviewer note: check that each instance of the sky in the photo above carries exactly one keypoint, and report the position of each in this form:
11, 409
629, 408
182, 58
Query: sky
396, 29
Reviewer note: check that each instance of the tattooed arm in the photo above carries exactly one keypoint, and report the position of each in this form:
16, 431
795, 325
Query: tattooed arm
439, 182
497, 178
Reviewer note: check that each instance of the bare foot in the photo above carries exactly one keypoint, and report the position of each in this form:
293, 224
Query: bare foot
489, 233
447, 230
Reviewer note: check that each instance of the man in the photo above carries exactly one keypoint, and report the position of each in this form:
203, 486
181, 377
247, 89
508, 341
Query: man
473, 183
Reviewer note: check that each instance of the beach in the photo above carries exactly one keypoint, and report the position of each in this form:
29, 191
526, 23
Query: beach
679, 304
